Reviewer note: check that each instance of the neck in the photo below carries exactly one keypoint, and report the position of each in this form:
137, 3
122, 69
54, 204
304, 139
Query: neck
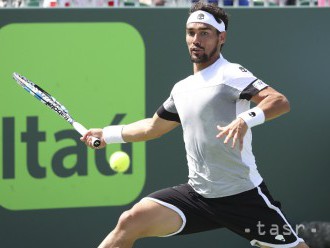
201, 66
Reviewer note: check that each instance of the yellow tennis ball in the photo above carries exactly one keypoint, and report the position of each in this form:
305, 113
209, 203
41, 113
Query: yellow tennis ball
119, 161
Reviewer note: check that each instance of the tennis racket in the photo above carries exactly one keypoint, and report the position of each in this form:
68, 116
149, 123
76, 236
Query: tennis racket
52, 103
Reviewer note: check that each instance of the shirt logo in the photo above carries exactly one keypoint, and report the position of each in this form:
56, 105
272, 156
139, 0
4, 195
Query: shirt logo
243, 69
200, 17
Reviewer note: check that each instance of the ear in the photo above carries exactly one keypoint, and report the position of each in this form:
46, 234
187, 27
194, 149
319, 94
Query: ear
222, 38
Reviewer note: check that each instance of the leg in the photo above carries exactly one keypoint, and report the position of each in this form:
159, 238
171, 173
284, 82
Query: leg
302, 245
145, 219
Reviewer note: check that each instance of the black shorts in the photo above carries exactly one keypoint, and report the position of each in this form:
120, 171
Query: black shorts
253, 214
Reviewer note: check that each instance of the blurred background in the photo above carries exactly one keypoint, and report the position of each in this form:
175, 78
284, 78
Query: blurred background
154, 3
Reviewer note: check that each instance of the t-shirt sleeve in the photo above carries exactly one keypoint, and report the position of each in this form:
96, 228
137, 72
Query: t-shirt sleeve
244, 83
252, 89
168, 110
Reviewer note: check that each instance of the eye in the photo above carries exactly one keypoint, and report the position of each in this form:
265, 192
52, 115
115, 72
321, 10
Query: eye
204, 33
190, 33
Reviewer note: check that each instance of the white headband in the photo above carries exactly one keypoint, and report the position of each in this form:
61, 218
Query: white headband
205, 17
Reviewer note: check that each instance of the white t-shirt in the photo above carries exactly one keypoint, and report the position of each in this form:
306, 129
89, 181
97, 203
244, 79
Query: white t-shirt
211, 97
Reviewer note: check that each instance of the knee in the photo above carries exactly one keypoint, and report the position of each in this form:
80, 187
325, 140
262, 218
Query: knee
126, 220
130, 223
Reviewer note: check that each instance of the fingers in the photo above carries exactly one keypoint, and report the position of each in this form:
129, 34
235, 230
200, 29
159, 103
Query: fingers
87, 138
229, 136
238, 140
235, 139
90, 142
235, 131
222, 133
234, 136
86, 135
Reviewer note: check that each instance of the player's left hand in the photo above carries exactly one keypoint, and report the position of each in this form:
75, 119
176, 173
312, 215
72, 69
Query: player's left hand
236, 131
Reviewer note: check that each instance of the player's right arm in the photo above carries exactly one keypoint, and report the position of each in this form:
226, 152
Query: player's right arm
143, 130
164, 120
148, 129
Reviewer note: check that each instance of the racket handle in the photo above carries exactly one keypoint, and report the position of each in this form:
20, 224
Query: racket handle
82, 130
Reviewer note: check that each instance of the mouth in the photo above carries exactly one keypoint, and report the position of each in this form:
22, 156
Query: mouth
196, 50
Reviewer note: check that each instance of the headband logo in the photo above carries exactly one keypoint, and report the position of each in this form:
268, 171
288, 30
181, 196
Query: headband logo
200, 17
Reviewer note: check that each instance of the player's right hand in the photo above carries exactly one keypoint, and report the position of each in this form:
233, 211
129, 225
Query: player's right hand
94, 132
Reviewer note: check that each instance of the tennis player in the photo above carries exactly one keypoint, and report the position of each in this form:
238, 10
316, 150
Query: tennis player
225, 189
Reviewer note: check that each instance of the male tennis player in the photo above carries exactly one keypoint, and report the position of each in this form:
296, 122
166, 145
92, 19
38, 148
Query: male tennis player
224, 189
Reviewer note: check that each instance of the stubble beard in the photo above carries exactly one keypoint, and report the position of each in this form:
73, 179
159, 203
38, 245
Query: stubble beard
204, 57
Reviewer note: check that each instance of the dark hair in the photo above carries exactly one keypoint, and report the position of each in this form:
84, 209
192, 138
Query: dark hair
218, 13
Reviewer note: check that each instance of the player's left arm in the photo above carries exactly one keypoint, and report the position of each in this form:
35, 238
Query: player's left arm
270, 103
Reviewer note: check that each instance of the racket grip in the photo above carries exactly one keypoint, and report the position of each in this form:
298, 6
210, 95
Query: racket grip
82, 130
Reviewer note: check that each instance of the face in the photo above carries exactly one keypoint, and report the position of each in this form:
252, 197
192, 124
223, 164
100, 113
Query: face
203, 42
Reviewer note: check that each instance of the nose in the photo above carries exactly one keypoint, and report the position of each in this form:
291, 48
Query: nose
196, 39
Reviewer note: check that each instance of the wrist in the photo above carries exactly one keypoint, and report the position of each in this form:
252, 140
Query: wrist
253, 117
113, 134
